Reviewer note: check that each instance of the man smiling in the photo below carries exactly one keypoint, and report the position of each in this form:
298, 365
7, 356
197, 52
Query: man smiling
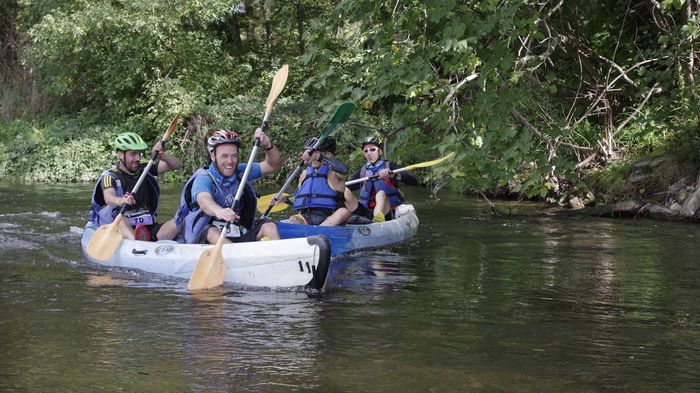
207, 199
114, 186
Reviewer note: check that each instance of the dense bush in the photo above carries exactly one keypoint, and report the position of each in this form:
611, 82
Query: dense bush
531, 95
78, 150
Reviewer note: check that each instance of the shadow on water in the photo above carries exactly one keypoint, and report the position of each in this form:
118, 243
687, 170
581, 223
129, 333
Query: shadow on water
474, 302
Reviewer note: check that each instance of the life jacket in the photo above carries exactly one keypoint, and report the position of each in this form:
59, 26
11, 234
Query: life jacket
103, 214
373, 186
316, 192
191, 220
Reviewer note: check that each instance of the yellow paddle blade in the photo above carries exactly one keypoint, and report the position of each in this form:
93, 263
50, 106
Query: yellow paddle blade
428, 163
105, 240
264, 203
210, 269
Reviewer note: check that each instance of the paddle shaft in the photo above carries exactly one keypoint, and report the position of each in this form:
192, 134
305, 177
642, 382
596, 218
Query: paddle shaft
404, 169
278, 83
340, 116
168, 132
210, 269
244, 178
360, 180
145, 171
292, 177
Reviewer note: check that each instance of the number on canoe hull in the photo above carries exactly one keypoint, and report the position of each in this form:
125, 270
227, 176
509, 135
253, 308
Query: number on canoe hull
310, 268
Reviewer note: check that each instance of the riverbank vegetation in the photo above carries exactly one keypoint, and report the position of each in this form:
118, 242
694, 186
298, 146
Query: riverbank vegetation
545, 99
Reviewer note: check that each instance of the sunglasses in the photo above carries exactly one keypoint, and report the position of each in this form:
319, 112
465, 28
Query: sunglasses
371, 149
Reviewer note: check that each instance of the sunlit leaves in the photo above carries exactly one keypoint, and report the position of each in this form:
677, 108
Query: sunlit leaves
109, 53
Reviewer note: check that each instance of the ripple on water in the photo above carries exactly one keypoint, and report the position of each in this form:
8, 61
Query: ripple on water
37, 215
13, 243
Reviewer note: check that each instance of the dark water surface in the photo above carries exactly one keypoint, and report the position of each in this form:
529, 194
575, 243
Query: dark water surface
474, 303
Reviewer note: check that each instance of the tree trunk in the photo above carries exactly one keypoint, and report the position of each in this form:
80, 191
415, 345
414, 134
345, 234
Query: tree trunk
300, 26
250, 23
609, 127
8, 38
236, 31
689, 12
266, 23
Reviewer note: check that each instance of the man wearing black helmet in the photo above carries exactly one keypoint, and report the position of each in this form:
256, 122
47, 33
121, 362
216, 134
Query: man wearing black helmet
378, 197
319, 199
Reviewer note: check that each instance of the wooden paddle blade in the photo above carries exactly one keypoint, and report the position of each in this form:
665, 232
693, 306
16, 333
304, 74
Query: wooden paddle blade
428, 163
171, 128
278, 83
210, 269
105, 241
264, 203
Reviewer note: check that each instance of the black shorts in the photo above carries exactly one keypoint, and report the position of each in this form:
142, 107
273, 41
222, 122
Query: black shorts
363, 211
249, 236
315, 216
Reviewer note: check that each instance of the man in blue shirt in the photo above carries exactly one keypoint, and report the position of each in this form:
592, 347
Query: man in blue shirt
207, 200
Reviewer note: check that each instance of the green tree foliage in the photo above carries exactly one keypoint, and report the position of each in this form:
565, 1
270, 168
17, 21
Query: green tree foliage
529, 93
132, 56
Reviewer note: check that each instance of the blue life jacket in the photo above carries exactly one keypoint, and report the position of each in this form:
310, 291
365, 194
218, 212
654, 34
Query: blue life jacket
316, 192
191, 220
373, 186
103, 214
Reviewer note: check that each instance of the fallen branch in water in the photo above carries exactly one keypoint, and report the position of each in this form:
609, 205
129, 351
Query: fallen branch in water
491, 205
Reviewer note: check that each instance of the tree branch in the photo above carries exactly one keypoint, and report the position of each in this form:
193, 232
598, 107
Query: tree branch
654, 89
459, 85
550, 146
608, 88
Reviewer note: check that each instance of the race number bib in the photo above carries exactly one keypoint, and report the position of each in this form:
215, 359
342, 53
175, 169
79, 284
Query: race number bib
233, 229
140, 218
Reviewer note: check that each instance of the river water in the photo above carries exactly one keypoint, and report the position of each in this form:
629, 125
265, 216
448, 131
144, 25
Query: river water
474, 303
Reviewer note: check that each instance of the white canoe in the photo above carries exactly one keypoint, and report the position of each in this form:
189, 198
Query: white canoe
349, 238
302, 262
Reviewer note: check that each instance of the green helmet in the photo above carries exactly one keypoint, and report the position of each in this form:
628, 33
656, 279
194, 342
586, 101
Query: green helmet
129, 141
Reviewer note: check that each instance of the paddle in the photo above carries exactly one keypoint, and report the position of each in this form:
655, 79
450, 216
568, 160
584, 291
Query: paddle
264, 200
404, 169
341, 115
264, 203
211, 268
107, 237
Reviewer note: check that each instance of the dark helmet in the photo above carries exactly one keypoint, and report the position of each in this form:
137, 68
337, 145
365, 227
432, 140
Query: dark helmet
328, 144
220, 137
372, 140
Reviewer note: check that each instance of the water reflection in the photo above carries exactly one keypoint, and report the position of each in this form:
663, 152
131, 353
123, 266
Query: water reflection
473, 303
253, 339
373, 272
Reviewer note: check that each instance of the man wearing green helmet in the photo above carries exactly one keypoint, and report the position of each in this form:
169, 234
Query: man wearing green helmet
113, 190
